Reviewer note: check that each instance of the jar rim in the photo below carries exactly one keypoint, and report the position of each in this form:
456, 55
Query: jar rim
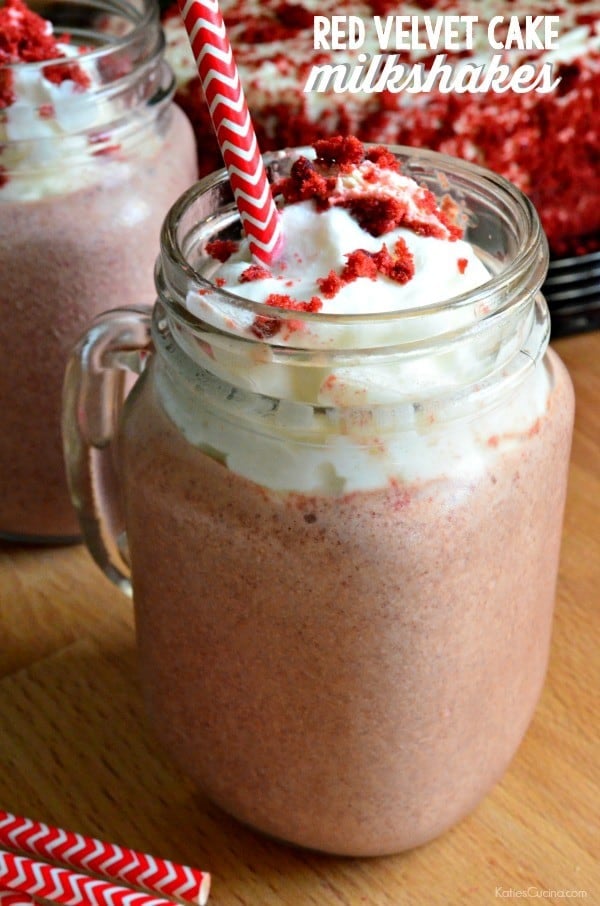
176, 276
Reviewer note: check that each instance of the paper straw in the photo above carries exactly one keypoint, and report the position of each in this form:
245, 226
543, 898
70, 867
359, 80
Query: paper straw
10, 898
105, 859
66, 887
233, 127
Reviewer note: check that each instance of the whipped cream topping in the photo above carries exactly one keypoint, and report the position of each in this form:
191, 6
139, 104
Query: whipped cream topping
376, 243
316, 245
318, 242
44, 97
294, 447
42, 108
33, 127
361, 414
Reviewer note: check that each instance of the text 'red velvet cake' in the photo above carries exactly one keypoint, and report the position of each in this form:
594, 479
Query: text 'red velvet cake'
548, 144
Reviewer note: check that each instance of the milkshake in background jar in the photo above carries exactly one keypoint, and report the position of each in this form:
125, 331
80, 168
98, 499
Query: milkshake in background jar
92, 154
343, 481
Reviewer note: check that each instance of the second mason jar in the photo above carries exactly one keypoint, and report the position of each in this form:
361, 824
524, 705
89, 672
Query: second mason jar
92, 154
343, 610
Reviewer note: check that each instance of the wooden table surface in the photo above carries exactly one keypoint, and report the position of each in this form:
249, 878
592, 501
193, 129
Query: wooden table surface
74, 749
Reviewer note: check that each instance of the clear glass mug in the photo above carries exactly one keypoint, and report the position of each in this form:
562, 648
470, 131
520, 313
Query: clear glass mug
343, 612
86, 179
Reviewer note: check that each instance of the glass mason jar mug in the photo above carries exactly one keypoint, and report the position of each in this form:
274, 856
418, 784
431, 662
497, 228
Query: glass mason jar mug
343, 610
92, 154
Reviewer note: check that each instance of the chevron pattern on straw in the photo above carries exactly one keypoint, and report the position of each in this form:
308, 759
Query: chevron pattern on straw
105, 859
232, 124
10, 898
61, 885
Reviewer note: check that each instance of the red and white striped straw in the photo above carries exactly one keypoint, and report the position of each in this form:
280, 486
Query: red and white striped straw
105, 859
10, 898
69, 888
65, 887
231, 121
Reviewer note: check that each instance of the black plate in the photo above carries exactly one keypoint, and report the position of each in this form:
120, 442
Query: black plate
572, 289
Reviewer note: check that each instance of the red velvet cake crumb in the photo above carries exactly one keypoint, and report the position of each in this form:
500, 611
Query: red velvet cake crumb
360, 263
294, 16
58, 73
24, 38
45, 111
24, 35
254, 272
7, 95
280, 300
270, 25
221, 249
303, 183
427, 228
344, 152
331, 284
403, 263
106, 150
105, 145
399, 267
383, 158
377, 213
264, 327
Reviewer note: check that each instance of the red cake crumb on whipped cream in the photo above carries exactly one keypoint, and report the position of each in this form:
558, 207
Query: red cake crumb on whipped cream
547, 144
53, 129
26, 37
360, 237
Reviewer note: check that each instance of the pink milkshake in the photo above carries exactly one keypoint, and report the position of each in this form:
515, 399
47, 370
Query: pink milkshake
344, 478
92, 154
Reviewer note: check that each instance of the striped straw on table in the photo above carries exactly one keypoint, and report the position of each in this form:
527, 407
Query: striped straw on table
65, 887
11, 898
107, 860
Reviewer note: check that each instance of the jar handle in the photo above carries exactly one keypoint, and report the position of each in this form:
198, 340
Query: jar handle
98, 378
